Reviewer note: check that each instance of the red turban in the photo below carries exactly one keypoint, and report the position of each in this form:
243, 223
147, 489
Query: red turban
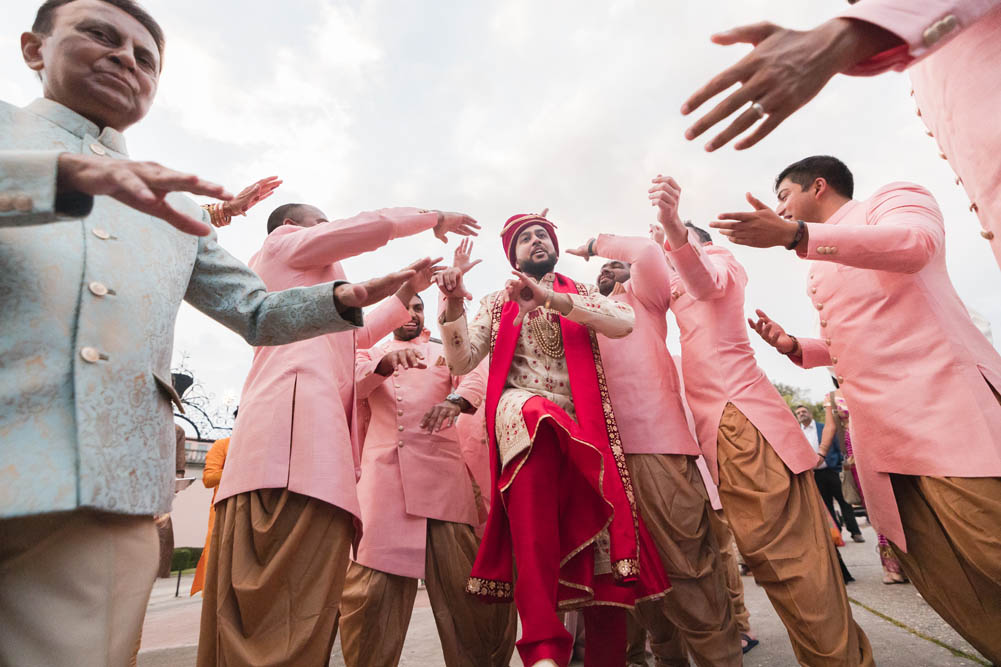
516, 223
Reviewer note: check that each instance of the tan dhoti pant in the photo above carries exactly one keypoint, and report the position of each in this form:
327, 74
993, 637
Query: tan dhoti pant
781, 528
274, 579
376, 608
734, 585
673, 502
953, 529
673, 652
74, 587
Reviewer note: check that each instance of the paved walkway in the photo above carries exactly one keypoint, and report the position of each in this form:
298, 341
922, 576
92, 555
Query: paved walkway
904, 631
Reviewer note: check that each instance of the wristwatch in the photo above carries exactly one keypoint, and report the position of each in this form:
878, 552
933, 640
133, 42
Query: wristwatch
455, 398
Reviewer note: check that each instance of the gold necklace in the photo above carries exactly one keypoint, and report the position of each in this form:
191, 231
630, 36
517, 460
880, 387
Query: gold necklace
547, 333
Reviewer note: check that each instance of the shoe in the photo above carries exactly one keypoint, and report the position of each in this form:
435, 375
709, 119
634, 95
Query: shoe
894, 578
746, 643
857, 537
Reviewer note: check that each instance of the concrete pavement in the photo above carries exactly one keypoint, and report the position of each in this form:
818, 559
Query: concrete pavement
903, 629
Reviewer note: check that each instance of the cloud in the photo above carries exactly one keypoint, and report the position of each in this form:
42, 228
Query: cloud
498, 108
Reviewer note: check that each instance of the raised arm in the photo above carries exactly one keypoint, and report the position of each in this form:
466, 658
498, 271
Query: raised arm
39, 187
903, 232
229, 292
921, 28
649, 273
466, 344
804, 352
703, 276
329, 242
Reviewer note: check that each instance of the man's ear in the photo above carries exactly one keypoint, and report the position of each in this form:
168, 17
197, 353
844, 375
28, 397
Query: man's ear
819, 186
31, 51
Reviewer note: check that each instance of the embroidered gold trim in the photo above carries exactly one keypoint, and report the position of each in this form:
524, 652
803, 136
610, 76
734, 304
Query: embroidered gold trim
612, 427
502, 590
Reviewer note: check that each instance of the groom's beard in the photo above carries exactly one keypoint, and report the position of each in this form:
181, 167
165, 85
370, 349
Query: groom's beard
540, 268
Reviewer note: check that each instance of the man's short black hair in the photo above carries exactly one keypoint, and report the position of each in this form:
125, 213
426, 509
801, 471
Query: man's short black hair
701, 233
831, 169
44, 18
801, 405
278, 216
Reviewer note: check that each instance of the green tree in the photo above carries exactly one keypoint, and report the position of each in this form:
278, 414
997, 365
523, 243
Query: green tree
797, 395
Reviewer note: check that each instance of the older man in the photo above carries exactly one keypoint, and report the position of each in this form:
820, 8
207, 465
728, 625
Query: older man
755, 449
90, 285
563, 505
919, 377
661, 453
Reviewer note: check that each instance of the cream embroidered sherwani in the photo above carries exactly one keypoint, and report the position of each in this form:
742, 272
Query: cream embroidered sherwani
533, 372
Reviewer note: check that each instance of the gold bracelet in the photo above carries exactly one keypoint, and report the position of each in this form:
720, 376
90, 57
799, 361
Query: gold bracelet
549, 299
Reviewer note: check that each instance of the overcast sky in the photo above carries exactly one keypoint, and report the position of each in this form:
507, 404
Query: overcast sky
496, 108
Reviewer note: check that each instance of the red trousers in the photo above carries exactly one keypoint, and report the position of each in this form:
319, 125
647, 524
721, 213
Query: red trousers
534, 505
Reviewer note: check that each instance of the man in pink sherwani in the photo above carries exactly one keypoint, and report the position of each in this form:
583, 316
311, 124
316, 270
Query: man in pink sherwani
951, 48
471, 430
755, 450
288, 490
920, 379
418, 510
661, 453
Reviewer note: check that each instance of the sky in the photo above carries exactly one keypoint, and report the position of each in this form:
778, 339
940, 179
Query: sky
497, 108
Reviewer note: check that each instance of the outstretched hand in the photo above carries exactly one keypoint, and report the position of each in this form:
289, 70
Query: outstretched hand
454, 223
139, 185
785, 70
583, 251
525, 292
359, 295
760, 228
773, 333
252, 195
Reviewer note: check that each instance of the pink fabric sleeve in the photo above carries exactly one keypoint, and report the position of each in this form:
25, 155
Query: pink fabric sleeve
903, 232
702, 277
650, 275
815, 353
381, 321
366, 379
331, 242
473, 386
924, 26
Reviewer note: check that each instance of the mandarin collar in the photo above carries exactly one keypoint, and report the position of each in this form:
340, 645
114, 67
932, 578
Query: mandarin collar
76, 124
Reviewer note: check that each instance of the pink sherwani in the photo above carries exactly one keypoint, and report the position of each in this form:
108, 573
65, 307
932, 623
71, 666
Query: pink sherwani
475, 446
707, 477
407, 474
642, 381
717, 359
317, 453
910, 361
953, 50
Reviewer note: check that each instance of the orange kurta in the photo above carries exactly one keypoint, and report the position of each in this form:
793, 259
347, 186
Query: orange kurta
215, 459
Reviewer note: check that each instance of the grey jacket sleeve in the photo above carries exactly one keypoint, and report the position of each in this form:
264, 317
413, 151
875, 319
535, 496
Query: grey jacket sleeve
229, 292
